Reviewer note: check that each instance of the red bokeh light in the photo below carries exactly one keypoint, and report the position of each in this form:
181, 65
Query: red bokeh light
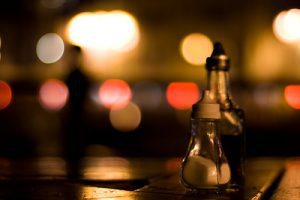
5, 95
292, 96
53, 94
114, 94
182, 95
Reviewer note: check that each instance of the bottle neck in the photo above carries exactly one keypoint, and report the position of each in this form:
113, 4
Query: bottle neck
204, 127
218, 85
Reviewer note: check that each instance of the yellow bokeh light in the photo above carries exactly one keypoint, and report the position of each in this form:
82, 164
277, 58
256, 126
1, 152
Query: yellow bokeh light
195, 48
266, 52
286, 26
104, 31
127, 118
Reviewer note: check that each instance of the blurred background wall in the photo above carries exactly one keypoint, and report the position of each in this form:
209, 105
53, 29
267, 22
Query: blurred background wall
144, 62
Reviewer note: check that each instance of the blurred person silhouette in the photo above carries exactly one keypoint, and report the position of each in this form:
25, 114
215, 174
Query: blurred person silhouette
74, 141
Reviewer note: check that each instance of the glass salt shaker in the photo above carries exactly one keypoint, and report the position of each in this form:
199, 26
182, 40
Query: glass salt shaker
205, 167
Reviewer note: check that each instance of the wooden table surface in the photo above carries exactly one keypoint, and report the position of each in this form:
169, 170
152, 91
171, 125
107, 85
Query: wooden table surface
136, 178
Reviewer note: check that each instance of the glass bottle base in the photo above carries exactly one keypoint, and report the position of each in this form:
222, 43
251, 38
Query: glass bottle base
232, 188
206, 190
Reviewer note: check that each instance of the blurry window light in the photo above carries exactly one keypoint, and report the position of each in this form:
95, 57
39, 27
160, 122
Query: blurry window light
114, 94
148, 95
195, 48
292, 96
50, 48
126, 119
286, 26
5, 95
53, 94
182, 95
104, 31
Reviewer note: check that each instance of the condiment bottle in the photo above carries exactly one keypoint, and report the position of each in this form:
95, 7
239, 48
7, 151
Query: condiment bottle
232, 117
205, 165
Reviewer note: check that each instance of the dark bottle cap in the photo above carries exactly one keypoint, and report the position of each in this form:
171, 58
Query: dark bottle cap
218, 59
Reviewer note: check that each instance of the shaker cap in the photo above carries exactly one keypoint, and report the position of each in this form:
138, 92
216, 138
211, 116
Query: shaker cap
206, 108
218, 59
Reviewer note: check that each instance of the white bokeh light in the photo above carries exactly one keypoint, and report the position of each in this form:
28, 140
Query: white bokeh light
286, 26
104, 31
50, 48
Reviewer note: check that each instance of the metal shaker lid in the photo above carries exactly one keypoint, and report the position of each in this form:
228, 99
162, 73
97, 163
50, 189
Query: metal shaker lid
218, 59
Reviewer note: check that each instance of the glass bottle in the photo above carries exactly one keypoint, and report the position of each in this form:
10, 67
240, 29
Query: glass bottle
232, 117
205, 165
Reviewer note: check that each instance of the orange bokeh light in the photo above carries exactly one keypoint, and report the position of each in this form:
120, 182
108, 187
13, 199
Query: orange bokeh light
53, 94
114, 94
5, 95
292, 96
182, 95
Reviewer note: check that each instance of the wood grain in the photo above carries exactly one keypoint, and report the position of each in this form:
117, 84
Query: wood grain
126, 178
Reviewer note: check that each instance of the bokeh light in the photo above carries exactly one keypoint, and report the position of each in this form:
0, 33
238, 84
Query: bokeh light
286, 26
266, 51
104, 31
267, 95
148, 95
53, 94
50, 48
126, 119
182, 95
5, 95
114, 94
292, 96
195, 48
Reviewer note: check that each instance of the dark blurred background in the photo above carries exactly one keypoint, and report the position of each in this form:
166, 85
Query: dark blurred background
141, 66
